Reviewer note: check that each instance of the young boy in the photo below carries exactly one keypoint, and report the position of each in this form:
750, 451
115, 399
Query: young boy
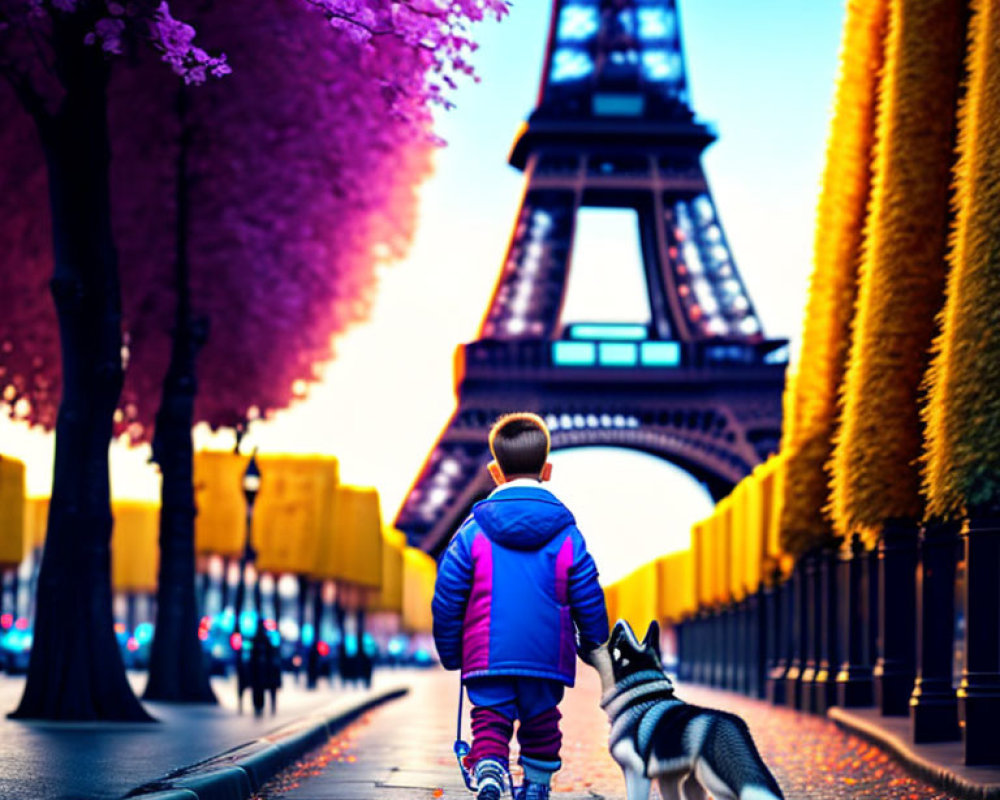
514, 582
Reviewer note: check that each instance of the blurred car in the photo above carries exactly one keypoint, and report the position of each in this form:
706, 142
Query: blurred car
218, 641
223, 644
135, 645
15, 647
324, 658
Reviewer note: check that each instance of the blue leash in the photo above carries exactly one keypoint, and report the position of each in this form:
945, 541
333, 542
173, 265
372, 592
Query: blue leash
461, 747
462, 750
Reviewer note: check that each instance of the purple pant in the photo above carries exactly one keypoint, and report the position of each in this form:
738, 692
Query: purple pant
497, 702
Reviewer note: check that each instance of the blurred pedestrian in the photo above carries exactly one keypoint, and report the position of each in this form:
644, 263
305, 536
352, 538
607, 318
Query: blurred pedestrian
264, 670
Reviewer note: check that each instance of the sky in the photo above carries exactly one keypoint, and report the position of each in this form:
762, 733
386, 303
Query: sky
762, 73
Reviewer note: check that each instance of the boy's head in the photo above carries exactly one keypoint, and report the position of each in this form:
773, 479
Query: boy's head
519, 443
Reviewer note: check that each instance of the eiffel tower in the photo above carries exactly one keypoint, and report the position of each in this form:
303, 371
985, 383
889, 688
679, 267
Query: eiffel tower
699, 385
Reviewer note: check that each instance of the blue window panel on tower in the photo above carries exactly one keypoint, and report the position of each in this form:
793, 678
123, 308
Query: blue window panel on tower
655, 23
779, 356
618, 105
577, 22
660, 354
570, 65
608, 331
661, 66
573, 354
617, 354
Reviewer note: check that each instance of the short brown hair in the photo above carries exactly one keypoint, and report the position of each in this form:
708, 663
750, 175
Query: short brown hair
520, 443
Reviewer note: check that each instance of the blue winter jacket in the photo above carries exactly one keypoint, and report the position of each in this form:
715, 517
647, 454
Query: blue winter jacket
513, 584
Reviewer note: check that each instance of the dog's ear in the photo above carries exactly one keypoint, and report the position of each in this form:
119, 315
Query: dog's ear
652, 639
618, 632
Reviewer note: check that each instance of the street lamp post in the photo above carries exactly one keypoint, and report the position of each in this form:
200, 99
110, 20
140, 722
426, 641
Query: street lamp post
251, 485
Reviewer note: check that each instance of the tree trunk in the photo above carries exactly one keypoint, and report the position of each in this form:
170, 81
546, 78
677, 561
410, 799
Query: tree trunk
76, 670
178, 670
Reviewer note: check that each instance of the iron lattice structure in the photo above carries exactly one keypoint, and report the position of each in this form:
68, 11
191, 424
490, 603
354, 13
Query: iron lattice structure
699, 385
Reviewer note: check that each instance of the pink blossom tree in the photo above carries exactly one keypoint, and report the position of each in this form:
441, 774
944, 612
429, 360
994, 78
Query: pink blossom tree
266, 240
58, 57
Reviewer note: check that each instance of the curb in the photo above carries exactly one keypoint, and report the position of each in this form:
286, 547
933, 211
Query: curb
237, 773
935, 773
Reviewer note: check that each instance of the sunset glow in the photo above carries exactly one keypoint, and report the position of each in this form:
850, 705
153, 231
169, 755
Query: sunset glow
380, 405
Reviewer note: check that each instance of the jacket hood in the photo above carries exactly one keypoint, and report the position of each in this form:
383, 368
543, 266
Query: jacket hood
522, 518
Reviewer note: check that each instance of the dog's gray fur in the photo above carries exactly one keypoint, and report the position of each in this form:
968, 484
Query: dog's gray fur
691, 752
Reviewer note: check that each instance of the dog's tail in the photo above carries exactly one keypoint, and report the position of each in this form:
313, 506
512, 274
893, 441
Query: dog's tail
728, 752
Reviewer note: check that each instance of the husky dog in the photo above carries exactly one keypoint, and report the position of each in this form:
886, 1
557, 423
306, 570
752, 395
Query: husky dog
691, 752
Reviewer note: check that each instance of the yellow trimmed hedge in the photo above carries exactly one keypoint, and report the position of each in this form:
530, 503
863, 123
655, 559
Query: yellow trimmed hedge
13, 542
770, 496
638, 597
675, 586
792, 408
722, 549
700, 564
902, 275
220, 525
738, 529
811, 396
419, 574
752, 533
293, 516
611, 603
135, 546
962, 469
390, 595
351, 547
36, 520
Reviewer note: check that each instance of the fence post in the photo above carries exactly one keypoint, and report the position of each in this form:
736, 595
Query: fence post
895, 669
825, 685
718, 647
854, 681
793, 695
779, 624
682, 636
763, 625
699, 656
813, 607
934, 704
979, 691
729, 646
742, 651
755, 650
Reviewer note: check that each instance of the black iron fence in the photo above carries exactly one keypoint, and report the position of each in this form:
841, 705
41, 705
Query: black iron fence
912, 628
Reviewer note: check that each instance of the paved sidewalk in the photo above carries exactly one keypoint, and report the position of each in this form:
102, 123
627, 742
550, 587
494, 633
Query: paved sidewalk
942, 763
403, 751
103, 761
